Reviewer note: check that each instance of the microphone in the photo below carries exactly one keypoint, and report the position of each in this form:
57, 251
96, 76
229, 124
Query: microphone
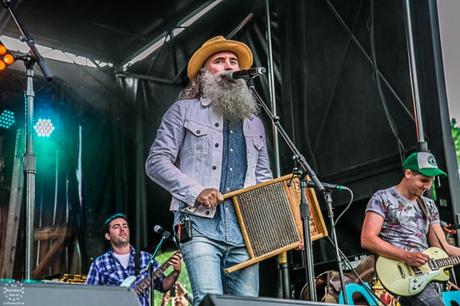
244, 74
449, 226
326, 185
161, 231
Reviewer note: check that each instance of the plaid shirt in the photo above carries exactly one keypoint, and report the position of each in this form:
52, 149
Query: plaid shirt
107, 270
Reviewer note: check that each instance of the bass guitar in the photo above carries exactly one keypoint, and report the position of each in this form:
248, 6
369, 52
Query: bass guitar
405, 280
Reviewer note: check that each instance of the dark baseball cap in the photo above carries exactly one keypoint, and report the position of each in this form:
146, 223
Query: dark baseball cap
113, 217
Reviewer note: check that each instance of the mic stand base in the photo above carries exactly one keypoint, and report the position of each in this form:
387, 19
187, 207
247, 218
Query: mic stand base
283, 267
307, 254
152, 258
30, 169
328, 199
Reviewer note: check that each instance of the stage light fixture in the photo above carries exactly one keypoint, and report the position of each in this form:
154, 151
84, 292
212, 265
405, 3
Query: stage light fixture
44, 127
7, 119
6, 58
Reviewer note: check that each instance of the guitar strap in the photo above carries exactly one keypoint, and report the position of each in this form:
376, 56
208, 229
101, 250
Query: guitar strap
422, 205
137, 262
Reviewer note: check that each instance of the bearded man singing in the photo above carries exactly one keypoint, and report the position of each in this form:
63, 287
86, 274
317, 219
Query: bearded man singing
211, 142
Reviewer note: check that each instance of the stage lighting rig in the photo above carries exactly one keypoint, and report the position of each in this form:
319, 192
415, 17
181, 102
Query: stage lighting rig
6, 58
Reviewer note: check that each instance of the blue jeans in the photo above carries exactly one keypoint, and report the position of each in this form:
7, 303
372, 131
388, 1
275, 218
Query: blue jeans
429, 296
206, 260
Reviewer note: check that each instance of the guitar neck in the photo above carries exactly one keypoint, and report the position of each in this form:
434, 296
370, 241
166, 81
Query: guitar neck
448, 261
161, 269
146, 282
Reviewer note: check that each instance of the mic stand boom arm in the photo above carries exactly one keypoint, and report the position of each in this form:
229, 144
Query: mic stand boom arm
304, 208
25, 36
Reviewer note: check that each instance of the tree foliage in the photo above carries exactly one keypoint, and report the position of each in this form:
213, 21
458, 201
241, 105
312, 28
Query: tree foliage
456, 137
183, 277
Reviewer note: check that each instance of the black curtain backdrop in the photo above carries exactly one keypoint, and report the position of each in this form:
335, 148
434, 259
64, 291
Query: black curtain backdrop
334, 110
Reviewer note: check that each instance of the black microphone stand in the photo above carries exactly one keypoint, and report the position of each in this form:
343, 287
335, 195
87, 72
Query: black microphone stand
164, 236
29, 161
304, 208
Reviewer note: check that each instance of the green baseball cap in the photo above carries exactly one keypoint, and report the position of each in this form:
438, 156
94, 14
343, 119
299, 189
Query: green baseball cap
424, 163
113, 217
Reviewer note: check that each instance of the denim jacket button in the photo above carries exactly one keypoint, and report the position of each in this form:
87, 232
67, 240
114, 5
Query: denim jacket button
214, 167
216, 124
216, 145
198, 131
207, 212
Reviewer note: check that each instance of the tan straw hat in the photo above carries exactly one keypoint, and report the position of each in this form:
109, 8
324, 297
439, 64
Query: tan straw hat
219, 44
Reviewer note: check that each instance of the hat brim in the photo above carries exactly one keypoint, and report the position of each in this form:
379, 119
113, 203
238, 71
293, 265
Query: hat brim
431, 172
241, 50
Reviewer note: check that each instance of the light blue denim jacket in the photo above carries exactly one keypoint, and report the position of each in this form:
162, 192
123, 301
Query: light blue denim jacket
186, 156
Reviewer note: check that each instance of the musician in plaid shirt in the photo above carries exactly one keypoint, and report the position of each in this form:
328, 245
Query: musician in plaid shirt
114, 266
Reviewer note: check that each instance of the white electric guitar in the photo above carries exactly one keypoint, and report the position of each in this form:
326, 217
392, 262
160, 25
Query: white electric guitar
147, 281
405, 280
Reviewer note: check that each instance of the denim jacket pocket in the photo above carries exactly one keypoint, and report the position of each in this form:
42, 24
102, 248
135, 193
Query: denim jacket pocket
197, 139
255, 144
258, 143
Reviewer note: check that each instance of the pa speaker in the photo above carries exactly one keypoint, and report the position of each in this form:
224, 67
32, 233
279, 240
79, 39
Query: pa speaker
230, 300
52, 294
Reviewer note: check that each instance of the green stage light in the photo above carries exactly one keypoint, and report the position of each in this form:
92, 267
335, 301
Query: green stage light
7, 119
44, 127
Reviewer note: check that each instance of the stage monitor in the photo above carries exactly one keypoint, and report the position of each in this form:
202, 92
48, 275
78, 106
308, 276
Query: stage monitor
229, 300
55, 294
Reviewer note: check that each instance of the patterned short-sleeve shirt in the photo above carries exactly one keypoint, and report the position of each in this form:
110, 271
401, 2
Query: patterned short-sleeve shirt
405, 225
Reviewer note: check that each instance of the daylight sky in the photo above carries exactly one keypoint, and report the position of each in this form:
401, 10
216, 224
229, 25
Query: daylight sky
449, 25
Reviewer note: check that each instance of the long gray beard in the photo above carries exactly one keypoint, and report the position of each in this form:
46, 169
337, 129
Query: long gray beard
232, 99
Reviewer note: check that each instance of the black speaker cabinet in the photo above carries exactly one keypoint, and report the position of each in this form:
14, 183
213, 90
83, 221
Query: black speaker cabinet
52, 294
230, 300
